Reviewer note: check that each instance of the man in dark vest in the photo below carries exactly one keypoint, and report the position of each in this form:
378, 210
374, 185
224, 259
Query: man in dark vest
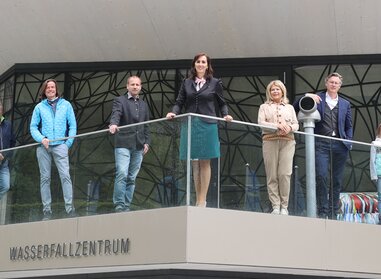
336, 122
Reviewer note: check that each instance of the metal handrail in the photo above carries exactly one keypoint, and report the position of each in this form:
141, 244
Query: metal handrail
183, 116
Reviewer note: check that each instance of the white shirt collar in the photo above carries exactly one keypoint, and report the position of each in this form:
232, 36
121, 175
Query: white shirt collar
331, 102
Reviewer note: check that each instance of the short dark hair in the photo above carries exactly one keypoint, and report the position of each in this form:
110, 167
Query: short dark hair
130, 77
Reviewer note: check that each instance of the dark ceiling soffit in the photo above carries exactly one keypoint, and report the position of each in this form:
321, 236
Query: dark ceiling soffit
227, 63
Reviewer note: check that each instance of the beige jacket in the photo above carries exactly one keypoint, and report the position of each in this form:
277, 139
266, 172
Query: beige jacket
271, 114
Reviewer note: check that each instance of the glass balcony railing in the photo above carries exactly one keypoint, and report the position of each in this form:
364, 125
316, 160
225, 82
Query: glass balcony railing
166, 177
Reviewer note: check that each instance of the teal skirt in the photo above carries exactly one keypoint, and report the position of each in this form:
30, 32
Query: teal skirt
204, 140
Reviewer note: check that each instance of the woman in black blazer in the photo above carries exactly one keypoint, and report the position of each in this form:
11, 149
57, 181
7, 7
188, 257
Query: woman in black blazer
199, 94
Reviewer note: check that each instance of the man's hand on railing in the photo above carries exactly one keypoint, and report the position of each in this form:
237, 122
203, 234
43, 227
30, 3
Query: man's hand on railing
113, 129
45, 142
170, 115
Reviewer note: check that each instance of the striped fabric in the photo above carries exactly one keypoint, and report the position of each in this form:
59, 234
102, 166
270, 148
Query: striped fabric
359, 208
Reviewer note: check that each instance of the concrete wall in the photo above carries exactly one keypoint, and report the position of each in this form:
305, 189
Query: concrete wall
197, 238
127, 30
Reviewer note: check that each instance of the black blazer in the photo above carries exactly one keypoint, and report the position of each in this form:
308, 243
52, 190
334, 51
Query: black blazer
204, 101
128, 111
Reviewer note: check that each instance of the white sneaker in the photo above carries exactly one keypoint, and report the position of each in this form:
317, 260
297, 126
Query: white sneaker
202, 204
275, 210
283, 211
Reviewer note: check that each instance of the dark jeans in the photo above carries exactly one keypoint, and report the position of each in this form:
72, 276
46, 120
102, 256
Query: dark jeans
327, 150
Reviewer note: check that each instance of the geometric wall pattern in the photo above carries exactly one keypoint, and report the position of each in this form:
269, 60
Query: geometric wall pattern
91, 93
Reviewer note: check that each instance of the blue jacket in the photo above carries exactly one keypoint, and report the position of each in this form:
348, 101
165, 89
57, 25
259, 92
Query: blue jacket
46, 124
344, 118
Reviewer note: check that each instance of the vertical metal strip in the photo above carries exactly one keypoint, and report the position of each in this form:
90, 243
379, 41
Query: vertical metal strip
218, 181
189, 159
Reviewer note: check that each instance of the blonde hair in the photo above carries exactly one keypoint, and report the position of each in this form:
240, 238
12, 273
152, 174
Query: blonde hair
282, 87
334, 75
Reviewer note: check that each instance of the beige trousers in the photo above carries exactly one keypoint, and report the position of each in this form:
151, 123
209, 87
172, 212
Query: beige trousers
278, 156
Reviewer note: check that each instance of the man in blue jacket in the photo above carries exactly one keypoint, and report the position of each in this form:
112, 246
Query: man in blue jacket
53, 119
7, 140
336, 122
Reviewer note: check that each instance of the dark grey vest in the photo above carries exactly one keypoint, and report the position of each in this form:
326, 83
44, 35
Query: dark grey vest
329, 124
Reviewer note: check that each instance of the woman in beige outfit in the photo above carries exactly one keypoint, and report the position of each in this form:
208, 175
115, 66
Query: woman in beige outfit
278, 145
